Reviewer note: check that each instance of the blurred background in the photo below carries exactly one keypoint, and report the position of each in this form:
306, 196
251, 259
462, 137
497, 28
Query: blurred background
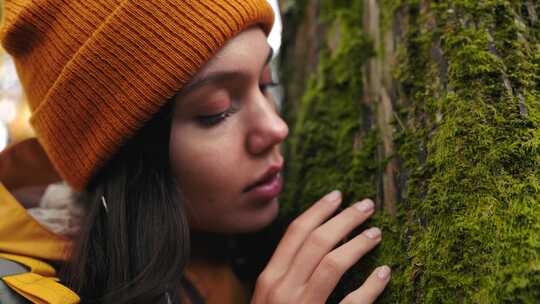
14, 111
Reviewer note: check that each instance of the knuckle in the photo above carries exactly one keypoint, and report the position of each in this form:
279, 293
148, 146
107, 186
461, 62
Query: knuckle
348, 300
298, 227
333, 265
321, 240
264, 281
278, 296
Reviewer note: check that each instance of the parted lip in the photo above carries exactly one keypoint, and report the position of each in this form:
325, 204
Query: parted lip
267, 176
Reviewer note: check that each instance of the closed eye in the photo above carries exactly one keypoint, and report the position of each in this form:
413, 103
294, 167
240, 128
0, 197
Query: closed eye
214, 119
264, 87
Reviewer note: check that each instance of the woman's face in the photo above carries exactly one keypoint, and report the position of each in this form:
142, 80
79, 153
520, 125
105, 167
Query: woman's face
225, 140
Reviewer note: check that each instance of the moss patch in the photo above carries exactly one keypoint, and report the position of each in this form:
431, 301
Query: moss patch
468, 228
322, 152
473, 200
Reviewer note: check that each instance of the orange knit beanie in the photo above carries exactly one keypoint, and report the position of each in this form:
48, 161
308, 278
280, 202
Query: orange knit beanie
94, 71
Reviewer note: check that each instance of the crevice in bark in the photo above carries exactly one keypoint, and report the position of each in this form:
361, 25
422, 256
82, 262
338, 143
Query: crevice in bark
377, 85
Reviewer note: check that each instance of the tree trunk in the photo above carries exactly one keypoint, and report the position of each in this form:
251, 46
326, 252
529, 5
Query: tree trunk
432, 108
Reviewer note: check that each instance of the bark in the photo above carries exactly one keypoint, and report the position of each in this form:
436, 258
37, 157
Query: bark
433, 109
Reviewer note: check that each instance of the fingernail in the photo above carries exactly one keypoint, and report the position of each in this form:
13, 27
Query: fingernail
373, 233
333, 196
383, 273
365, 205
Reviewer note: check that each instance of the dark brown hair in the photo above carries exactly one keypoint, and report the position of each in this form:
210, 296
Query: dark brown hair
135, 249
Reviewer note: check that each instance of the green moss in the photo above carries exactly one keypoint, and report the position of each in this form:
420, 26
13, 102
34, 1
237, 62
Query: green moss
472, 199
322, 153
468, 224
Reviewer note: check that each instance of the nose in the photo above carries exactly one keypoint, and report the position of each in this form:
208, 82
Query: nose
267, 128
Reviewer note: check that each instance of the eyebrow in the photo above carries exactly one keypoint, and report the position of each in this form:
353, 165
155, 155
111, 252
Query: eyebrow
220, 76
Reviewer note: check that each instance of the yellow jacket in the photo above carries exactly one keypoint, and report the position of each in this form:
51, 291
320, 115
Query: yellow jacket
27, 242
23, 239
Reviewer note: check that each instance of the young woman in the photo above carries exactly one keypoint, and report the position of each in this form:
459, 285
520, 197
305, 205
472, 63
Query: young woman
158, 115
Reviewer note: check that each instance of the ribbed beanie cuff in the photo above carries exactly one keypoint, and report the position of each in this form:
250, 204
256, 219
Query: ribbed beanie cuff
95, 71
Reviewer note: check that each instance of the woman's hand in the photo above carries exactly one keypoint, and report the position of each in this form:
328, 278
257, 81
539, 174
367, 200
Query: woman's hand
306, 267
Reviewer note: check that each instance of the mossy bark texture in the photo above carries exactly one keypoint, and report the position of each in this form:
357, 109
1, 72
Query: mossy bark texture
432, 108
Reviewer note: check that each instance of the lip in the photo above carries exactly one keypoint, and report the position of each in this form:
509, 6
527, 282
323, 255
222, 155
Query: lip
268, 186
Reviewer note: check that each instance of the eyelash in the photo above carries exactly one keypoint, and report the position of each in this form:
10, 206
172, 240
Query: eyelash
212, 120
265, 86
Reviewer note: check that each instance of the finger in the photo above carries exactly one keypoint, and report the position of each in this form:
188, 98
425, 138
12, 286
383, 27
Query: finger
295, 236
334, 264
371, 289
324, 239
301, 227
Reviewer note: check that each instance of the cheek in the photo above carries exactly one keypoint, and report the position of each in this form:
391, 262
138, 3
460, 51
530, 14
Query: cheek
207, 169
